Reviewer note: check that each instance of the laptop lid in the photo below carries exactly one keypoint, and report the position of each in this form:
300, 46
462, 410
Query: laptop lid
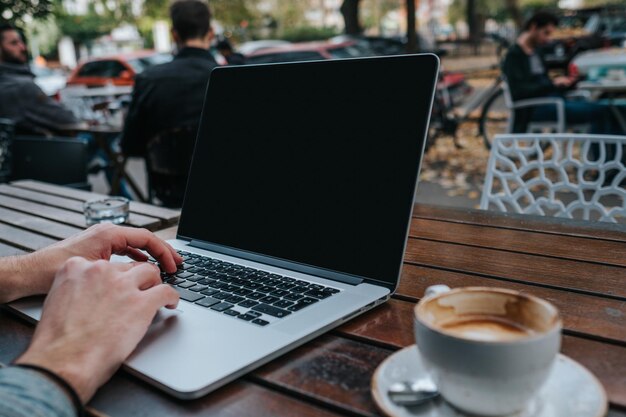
311, 166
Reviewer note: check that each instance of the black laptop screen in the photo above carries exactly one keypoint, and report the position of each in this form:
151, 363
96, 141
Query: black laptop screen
314, 163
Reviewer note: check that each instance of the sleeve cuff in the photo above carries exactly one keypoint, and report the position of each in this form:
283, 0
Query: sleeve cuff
26, 392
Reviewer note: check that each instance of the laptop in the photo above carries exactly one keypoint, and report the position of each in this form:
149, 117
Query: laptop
296, 213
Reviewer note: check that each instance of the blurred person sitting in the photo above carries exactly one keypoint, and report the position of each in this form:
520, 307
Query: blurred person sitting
526, 74
22, 101
226, 50
167, 103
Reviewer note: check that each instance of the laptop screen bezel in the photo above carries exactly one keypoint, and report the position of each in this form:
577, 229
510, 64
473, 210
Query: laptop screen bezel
430, 69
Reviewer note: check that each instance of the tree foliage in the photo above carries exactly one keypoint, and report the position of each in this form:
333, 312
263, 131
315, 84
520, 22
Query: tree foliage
16, 11
496, 9
84, 28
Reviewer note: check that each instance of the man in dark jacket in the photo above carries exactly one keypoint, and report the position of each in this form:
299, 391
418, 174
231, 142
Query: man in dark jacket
21, 100
168, 98
527, 77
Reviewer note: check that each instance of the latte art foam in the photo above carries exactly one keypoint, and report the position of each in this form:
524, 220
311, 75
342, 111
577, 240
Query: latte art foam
485, 328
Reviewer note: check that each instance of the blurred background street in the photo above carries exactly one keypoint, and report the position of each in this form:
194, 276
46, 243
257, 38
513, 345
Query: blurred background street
86, 54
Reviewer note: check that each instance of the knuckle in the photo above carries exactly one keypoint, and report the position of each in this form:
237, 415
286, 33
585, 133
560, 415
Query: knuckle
98, 267
71, 264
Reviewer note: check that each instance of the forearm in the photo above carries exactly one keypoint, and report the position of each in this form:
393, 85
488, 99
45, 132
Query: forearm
22, 276
27, 393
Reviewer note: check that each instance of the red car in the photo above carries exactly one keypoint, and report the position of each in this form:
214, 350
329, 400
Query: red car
118, 70
307, 51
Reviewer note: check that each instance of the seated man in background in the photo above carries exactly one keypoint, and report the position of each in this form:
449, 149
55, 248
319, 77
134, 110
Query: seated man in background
527, 77
226, 50
94, 316
21, 100
167, 104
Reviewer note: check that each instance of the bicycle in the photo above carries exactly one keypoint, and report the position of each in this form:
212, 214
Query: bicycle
494, 114
493, 118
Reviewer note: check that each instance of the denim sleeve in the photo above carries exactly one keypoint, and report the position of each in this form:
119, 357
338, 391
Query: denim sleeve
28, 393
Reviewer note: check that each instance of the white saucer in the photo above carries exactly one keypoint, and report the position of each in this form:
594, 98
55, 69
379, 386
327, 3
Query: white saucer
571, 390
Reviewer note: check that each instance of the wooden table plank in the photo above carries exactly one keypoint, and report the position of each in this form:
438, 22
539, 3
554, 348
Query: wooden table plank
391, 324
331, 370
169, 216
237, 399
23, 239
567, 247
514, 221
134, 219
607, 362
54, 213
41, 210
37, 224
8, 250
596, 317
559, 273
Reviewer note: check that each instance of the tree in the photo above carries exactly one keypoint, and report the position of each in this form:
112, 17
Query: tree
350, 11
498, 10
411, 27
231, 13
472, 21
515, 12
16, 11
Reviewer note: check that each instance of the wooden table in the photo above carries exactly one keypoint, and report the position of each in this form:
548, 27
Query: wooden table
579, 267
611, 89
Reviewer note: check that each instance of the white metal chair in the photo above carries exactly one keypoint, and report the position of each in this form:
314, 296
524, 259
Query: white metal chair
556, 126
562, 175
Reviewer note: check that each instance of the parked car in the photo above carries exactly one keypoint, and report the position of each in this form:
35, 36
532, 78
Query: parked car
382, 45
250, 47
455, 82
305, 51
117, 70
374, 45
612, 24
596, 65
585, 29
49, 80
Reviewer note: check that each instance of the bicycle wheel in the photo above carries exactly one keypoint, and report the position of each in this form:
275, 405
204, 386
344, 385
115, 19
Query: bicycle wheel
494, 118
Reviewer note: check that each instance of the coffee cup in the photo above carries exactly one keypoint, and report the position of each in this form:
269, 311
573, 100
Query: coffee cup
488, 350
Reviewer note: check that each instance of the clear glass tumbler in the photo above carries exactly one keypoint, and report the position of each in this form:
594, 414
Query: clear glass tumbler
107, 210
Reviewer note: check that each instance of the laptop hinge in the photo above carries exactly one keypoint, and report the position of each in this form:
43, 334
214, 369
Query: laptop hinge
280, 263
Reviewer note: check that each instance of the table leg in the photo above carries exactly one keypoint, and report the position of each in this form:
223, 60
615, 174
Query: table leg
121, 174
618, 116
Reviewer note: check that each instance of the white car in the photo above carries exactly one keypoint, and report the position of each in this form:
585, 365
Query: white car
600, 63
247, 48
50, 81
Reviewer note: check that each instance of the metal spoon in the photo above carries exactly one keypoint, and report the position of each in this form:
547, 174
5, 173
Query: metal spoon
410, 393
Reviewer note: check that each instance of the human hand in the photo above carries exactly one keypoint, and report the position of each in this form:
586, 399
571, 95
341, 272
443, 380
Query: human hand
93, 318
98, 242
563, 81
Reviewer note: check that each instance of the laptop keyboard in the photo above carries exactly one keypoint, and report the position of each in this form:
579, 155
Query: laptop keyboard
248, 294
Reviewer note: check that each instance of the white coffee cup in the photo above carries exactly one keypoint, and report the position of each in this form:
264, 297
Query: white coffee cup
488, 350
